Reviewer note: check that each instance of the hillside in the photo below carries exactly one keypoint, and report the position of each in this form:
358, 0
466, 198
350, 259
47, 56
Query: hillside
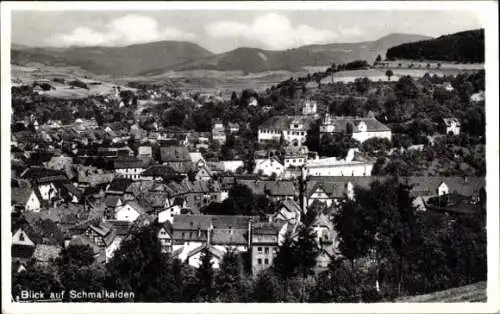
470, 293
115, 61
462, 47
257, 60
159, 57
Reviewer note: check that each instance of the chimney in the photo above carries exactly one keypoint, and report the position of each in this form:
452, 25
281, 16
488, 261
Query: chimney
249, 233
209, 230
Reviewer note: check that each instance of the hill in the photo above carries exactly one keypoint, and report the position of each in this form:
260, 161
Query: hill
462, 47
115, 61
159, 57
253, 60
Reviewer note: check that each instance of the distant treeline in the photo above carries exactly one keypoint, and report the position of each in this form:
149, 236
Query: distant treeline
465, 47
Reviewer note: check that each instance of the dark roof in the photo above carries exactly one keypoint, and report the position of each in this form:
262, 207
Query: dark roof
283, 122
372, 124
122, 228
164, 171
73, 190
291, 205
193, 222
42, 175
127, 163
229, 236
454, 203
46, 252
111, 200
174, 154
274, 188
21, 195
119, 185
22, 251
181, 166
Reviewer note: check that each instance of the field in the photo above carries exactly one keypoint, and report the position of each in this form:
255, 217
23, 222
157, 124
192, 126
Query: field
26, 75
470, 293
219, 82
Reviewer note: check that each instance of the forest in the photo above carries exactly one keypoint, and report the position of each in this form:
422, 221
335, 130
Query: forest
463, 47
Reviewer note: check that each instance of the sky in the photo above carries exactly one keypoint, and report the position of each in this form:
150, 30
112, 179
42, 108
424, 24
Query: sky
224, 30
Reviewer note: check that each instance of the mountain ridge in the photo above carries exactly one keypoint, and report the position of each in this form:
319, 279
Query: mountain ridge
158, 57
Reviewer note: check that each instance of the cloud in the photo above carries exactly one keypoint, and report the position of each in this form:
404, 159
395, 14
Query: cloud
273, 30
124, 30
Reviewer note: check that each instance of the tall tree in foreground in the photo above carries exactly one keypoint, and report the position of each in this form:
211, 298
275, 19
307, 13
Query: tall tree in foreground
307, 249
205, 276
286, 262
389, 73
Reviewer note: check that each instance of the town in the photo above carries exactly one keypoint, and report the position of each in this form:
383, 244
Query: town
314, 189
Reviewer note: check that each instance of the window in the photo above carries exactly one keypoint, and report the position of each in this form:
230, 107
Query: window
21, 236
259, 261
259, 249
266, 261
266, 250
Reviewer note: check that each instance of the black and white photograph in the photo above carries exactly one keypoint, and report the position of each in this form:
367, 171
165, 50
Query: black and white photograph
323, 156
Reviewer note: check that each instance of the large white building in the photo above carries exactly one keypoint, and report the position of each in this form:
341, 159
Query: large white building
352, 165
362, 128
293, 129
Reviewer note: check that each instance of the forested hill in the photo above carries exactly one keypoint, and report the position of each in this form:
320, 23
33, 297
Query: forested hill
463, 47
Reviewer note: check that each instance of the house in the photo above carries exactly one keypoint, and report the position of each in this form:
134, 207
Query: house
129, 211
363, 128
72, 193
225, 165
203, 174
193, 258
451, 126
292, 129
309, 107
331, 191
101, 234
119, 186
288, 211
275, 190
145, 153
252, 102
178, 158
22, 247
25, 199
233, 127
425, 188
62, 163
168, 214
46, 181
295, 156
218, 132
91, 176
160, 172
130, 168
326, 238
268, 167
264, 245
165, 236
477, 97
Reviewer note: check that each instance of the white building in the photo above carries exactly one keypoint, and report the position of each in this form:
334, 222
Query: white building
268, 166
295, 156
309, 107
352, 165
362, 128
219, 132
131, 169
452, 126
293, 129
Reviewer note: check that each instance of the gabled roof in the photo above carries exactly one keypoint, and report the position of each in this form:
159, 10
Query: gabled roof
121, 228
193, 222
43, 175
21, 196
283, 122
163, 171
291, 205
229, 236
213, 251
111, 200
281, 188
129, 163
70, 188
119, 185
372, 124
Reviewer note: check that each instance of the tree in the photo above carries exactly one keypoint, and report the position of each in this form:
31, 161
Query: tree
307, 248
389, 73
286, 262
205, 276
378, 59
230, 281
267, 287
139, 266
